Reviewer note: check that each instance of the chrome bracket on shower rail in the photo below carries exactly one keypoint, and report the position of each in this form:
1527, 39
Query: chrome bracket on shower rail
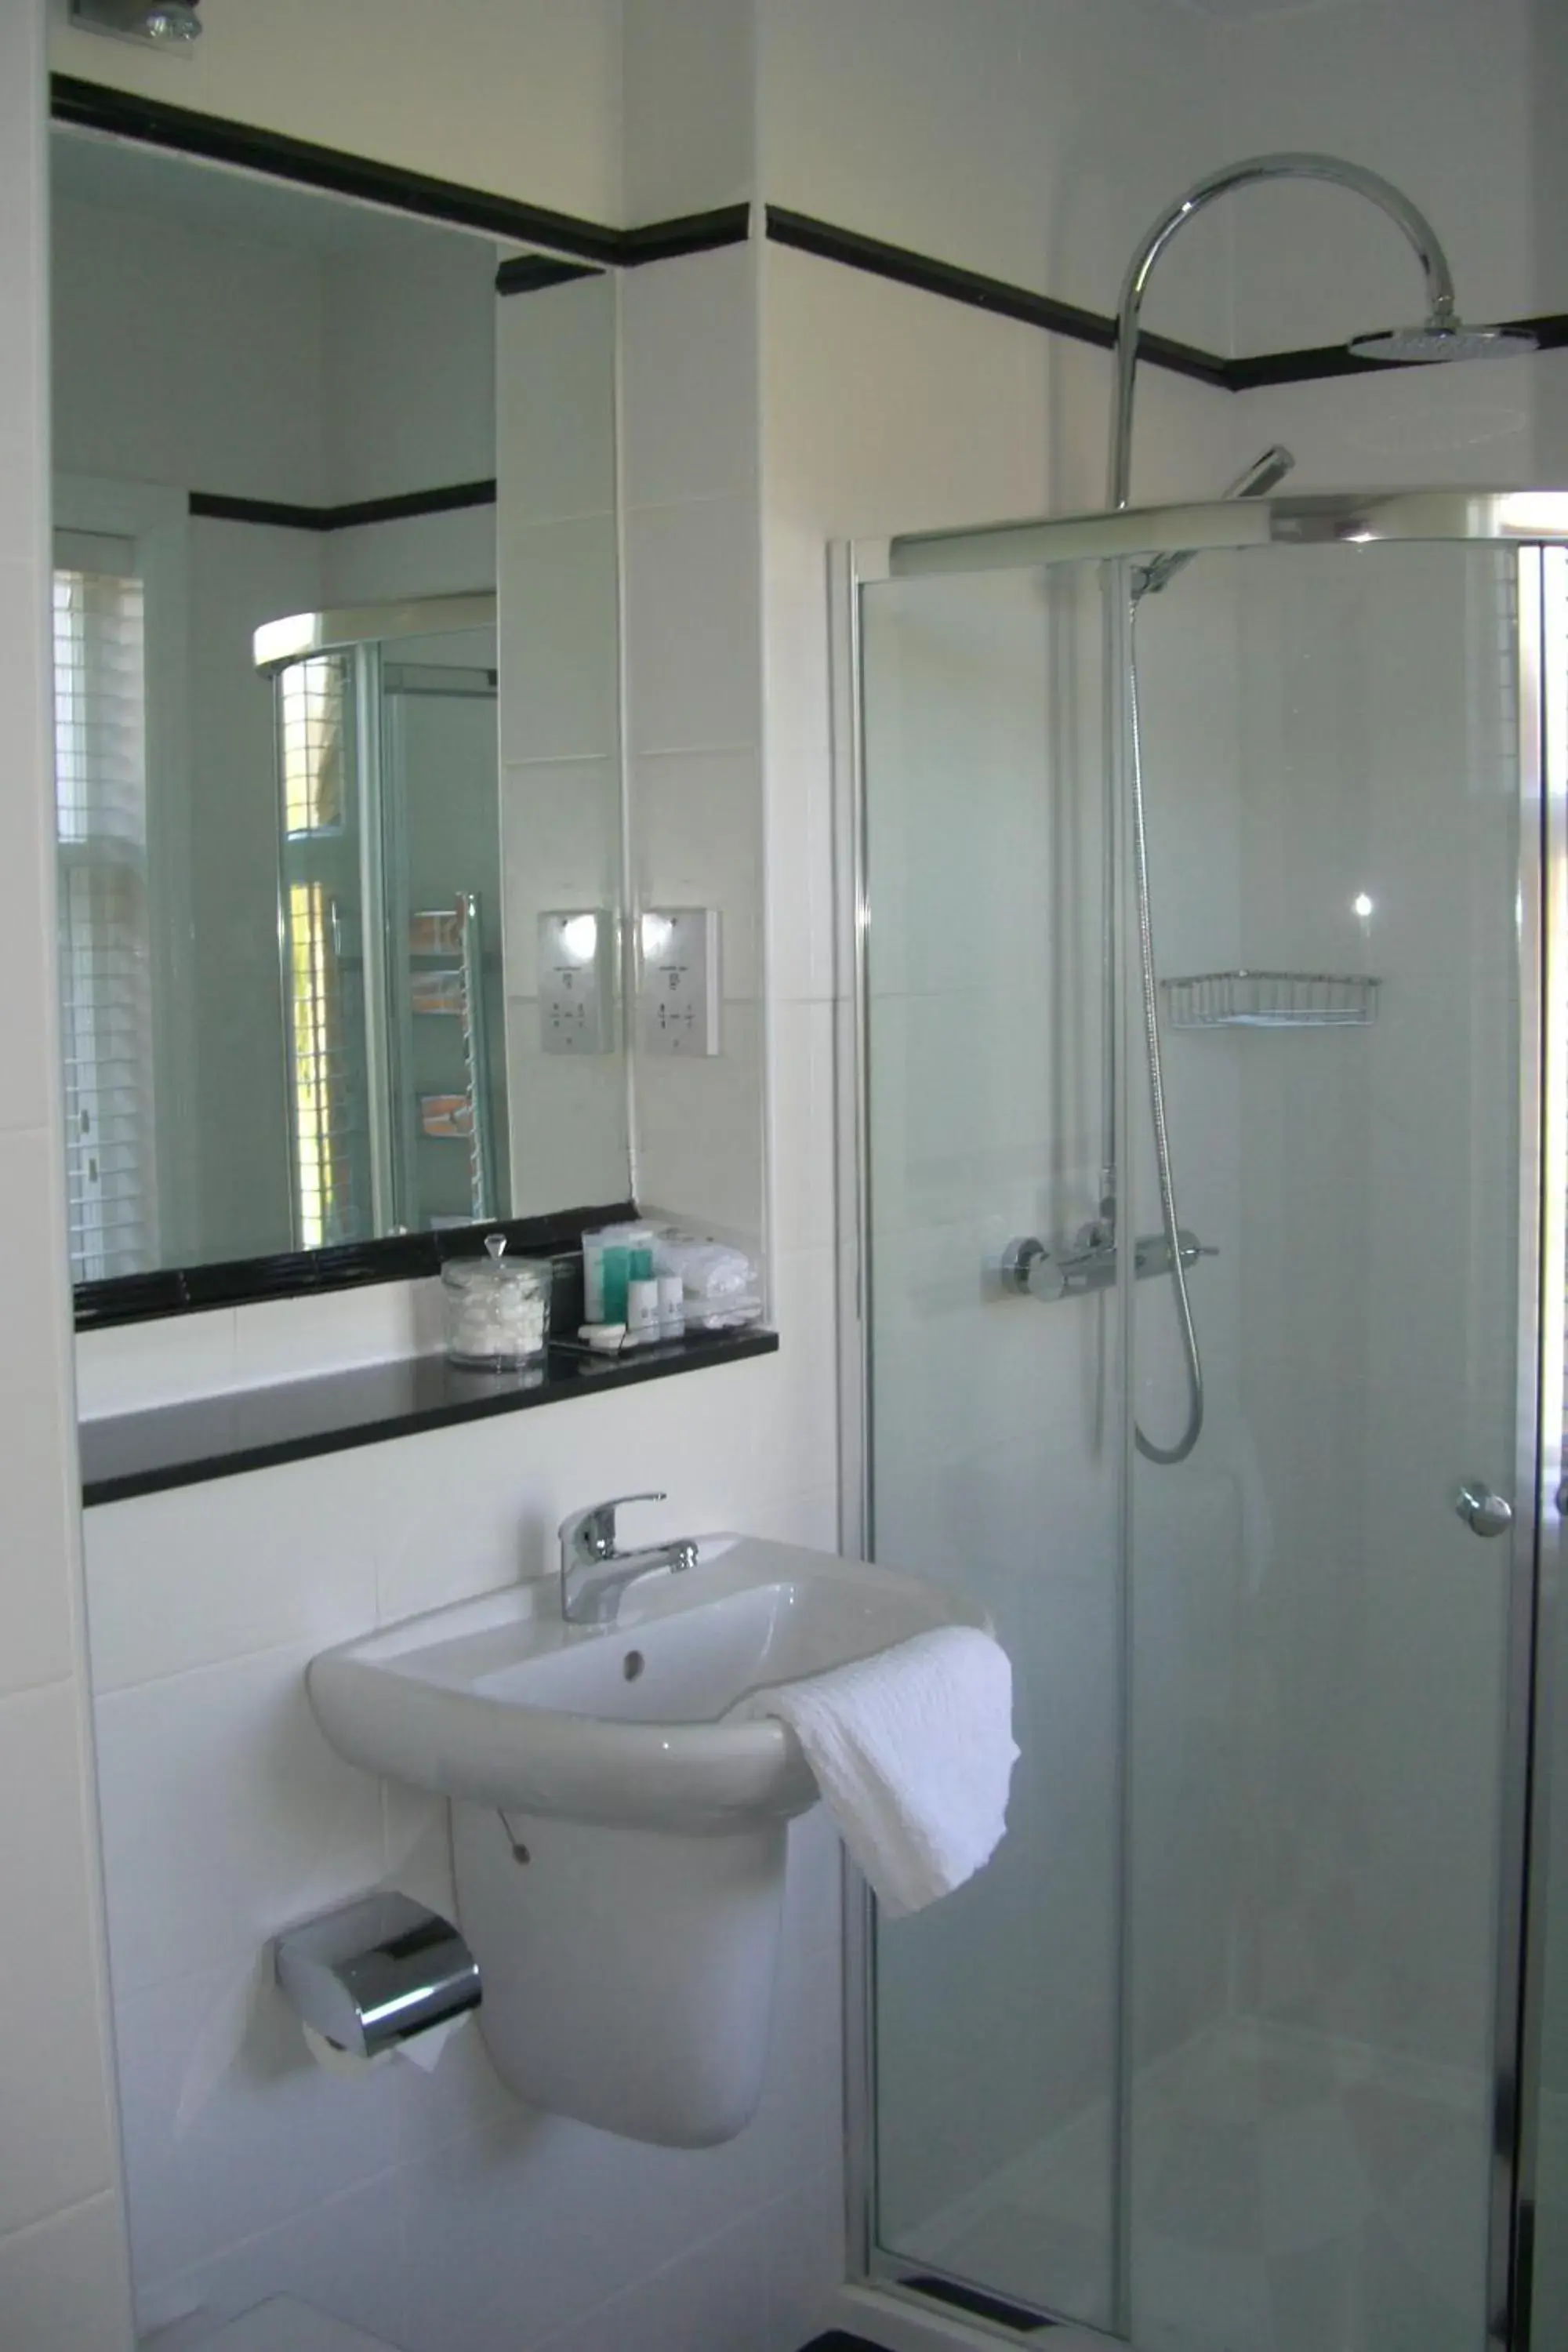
1088, 1263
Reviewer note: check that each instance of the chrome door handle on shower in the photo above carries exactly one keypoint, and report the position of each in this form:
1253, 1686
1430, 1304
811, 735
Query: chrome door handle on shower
1088, 1263
1483, 1512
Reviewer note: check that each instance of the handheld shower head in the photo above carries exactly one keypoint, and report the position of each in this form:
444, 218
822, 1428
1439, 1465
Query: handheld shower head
1440, 339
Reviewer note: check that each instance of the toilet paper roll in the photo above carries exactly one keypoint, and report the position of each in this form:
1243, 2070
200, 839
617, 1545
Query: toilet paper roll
332, 2059
422, 2050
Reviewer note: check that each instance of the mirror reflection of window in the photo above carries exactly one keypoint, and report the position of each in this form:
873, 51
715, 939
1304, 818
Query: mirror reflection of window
100, 797
323, 970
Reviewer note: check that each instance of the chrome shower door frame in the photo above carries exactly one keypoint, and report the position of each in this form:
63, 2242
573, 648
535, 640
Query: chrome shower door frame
1535, 1644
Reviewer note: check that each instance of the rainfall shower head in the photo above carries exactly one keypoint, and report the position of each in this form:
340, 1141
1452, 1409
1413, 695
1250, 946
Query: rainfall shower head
1440, 339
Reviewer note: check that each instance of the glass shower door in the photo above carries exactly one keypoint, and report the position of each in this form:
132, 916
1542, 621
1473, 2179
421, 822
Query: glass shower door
1317, 1639
995, 1445
1209, 2056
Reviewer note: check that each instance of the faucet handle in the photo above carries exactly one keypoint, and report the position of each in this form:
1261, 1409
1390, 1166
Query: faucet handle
591, 1533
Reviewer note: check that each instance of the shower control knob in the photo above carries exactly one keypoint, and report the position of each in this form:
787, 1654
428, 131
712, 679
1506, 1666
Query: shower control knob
1484, 1513
1028, 1268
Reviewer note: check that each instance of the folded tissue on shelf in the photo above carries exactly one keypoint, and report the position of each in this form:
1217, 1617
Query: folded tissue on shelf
913, 1752
720, 1283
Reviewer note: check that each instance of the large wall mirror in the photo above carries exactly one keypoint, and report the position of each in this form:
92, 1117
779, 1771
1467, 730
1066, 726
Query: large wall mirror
338, 738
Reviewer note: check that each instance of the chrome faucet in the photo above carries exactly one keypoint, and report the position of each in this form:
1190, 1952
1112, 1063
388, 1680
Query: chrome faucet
594, 1574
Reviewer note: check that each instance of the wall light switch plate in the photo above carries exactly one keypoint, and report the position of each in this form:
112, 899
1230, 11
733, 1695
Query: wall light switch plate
577, 980
677, 980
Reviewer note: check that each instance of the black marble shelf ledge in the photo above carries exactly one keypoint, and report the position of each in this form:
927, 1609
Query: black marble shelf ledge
126, 1454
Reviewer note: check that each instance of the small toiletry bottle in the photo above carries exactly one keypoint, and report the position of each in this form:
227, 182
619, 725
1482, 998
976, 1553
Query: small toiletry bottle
615, 1271
593, 1277
671, 1306
642, 1307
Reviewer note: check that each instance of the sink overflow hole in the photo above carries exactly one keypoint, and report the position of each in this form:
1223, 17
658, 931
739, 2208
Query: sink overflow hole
632, 1665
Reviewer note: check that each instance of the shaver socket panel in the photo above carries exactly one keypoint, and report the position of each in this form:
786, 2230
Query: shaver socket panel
677, 980
577, 965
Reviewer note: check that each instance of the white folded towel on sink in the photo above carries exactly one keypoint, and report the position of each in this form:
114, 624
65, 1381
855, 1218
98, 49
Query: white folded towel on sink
913, 1750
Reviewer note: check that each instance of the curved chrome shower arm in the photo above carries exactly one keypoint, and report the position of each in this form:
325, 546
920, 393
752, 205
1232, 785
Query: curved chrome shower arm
1418, 228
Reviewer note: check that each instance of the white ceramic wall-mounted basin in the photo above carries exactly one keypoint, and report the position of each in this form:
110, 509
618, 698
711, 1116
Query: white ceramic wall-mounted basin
492, 1702
619, 1844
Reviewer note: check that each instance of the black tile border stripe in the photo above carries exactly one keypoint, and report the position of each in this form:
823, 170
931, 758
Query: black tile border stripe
530, 273
693, 232
96, 106
1550, 329
906, 267
224, 1435
215, 506
294, 1274
153, 123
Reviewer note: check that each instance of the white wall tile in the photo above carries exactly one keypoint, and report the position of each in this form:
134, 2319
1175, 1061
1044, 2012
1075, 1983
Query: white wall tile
801, 912
53, 2089
559, 638
62, 2283
236, 2128
447, 554
810, 1517
691, 593
807, 2240
555, 406
513, 2233
569, 1122
561, 838
804, 1432
133, 1366
225, 1764
803, 1110
690, 377
272, 1558
342, 2257
797, 653
699, 1125
696, 842
687, 106
799, 2126
37, 1633
293, 1339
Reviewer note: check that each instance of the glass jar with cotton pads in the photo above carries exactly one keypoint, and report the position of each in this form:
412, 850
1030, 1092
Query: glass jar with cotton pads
498, 1309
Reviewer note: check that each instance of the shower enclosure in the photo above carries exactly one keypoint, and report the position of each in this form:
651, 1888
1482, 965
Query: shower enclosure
1234, 2047
389, 899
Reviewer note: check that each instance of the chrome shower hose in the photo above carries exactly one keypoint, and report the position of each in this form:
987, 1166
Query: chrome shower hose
1193, 1430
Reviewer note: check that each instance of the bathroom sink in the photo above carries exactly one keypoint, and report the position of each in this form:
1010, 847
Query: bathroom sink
500, 1702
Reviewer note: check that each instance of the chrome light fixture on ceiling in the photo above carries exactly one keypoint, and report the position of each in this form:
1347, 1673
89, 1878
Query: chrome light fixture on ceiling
167, 24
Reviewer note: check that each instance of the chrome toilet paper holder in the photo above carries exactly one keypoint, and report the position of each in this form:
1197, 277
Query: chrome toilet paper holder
375, 1972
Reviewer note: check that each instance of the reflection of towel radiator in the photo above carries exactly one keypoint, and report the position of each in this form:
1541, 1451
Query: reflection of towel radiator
458, 992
